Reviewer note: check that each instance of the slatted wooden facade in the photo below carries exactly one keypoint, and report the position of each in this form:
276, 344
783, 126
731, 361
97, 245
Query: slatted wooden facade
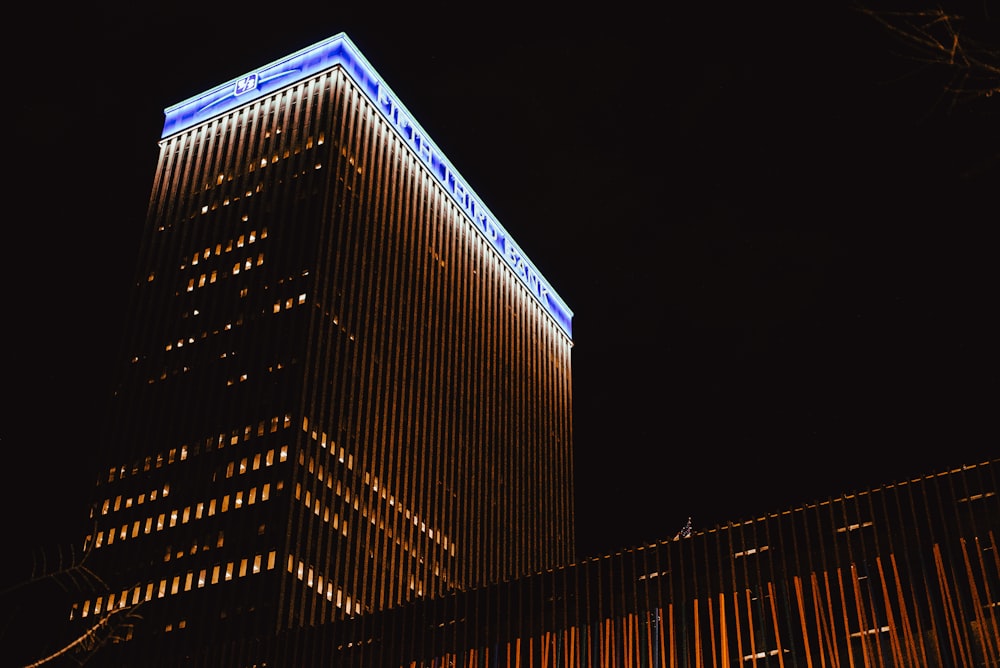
906, 574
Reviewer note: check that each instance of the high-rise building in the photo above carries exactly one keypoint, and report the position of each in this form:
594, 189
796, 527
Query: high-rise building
343, 386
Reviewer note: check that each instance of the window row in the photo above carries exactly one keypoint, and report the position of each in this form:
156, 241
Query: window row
128, 501
211, 277
239, 242
171, 519
263, 161
179, 583
213, 442
316, 468
323, 587
331, 517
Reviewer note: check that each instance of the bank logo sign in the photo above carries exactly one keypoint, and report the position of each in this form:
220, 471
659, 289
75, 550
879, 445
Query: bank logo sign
246, 84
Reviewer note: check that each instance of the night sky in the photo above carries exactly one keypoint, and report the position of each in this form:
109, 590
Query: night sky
776, 230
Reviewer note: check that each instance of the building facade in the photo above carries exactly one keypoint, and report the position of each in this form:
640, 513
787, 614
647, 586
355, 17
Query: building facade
343, 388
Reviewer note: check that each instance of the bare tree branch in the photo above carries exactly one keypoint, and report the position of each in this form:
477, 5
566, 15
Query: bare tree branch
942, 39
113, 626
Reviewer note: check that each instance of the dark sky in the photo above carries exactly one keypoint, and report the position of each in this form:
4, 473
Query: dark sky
775, 230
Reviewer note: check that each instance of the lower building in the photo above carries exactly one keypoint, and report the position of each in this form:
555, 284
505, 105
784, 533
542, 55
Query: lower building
906, 574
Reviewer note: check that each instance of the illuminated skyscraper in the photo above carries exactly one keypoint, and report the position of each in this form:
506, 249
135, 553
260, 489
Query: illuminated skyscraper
343, 385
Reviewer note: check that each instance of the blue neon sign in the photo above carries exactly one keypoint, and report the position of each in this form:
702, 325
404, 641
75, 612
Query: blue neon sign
340, 51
